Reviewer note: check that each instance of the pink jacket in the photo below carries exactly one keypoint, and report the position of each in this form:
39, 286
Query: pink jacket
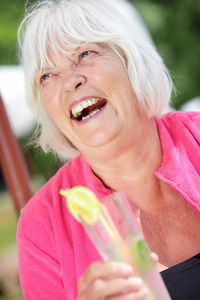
54, 250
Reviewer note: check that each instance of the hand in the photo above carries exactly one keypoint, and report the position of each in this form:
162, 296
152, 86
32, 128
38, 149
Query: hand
111, 280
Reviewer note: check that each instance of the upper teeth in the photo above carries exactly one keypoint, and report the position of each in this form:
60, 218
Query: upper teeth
77, 109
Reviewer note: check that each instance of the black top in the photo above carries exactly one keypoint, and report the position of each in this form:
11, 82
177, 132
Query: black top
183, 279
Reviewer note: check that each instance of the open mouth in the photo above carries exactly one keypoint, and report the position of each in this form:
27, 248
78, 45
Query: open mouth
87, 108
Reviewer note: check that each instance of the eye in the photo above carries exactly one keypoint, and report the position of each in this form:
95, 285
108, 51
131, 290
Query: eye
85, 53
45, 77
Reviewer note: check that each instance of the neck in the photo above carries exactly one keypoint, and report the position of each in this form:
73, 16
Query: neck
129, 166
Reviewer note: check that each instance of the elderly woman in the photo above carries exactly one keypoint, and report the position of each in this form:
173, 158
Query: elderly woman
99, 89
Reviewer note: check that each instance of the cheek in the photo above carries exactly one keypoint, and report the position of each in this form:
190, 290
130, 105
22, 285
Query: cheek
118, 89
48, 104
114, 81
112, 72
51, 98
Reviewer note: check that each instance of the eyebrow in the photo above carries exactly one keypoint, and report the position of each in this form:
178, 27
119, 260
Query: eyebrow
47, 68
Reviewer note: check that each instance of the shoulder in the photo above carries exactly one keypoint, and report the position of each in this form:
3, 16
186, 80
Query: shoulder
191, 117
180, 125
46, 208
179, 134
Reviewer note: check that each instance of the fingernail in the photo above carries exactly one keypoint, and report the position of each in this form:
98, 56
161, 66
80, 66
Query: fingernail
127, 269
136, 281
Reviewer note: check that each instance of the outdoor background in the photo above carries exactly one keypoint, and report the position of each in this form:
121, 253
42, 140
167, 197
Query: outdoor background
175, 29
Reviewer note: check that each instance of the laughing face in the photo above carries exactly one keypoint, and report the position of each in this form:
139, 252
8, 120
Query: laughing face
85, 94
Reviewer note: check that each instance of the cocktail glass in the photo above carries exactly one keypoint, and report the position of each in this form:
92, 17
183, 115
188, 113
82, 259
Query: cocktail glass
117, 236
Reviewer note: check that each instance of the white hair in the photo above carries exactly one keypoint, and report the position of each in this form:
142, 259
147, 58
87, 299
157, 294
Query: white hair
53, 24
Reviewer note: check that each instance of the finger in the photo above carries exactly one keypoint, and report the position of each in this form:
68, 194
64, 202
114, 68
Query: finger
104, 270
142, 295
121, 286
154, 257
137, 215
122, 297
103, 289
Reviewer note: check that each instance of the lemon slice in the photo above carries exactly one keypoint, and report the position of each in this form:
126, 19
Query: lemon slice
82, 204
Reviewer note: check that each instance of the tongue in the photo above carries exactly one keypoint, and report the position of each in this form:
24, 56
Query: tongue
86, 111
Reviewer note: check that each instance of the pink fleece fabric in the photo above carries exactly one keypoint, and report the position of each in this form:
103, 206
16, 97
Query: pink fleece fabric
54, 251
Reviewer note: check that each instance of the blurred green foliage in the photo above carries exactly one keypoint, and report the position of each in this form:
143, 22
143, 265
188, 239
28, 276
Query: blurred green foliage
11, 13
39, 162
175, 28
9, 279
8, 223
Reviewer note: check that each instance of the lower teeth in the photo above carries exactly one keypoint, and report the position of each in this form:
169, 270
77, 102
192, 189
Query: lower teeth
90, 114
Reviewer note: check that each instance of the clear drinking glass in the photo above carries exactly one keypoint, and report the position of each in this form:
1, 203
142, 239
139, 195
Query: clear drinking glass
117, 236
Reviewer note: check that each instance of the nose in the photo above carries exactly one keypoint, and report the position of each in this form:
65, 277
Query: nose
73, 81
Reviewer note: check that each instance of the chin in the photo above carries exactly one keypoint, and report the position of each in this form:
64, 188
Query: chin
100, 140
